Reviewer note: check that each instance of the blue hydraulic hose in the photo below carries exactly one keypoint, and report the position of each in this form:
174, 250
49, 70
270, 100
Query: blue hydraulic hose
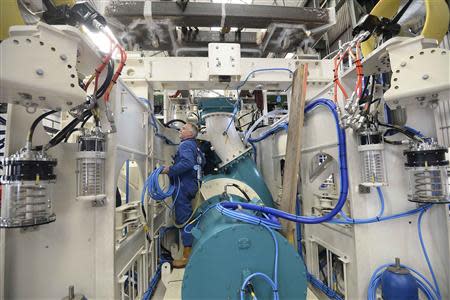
425, 254
251, 219
380, 217
368, 220
269, 132
343, 176
152, 187
236, 105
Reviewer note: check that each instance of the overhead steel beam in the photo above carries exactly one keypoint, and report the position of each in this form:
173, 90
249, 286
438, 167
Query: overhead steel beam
217, 14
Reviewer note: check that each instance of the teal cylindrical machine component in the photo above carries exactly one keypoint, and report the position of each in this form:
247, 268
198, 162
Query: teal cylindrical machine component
226, 251
244, 169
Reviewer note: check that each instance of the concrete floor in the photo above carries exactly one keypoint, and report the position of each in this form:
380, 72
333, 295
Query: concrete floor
174, 281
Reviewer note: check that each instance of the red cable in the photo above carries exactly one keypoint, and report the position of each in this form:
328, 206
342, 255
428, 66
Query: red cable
100, 68
123, 59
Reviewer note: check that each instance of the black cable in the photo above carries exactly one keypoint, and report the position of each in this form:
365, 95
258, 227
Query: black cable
68, 136
401, 130
240, 126
246, 114
84, 122
401, 12
397, 143
174, 121
76, 129
58, 138
35, 124
110, 73
372, 90
366, 79
241, 190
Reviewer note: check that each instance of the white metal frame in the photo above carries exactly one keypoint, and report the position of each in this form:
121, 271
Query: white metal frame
365, 247
79, 248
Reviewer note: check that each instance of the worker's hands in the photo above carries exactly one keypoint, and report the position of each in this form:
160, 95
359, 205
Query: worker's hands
165, 170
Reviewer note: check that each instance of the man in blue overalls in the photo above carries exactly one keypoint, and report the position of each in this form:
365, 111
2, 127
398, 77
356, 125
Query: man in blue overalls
186, 167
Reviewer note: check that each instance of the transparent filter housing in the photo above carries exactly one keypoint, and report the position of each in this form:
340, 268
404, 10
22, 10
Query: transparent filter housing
27, 188
428, 174
373, 169
91, 167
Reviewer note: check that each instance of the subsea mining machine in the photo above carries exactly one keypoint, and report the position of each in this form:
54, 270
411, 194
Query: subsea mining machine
362, 150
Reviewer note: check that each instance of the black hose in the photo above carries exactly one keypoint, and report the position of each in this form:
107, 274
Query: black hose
85, 121
397, 143
402, 130
174, 121
101, 91
401, 12
371, 94
35, 124
241, 190
77, 129
68, 129
68, 136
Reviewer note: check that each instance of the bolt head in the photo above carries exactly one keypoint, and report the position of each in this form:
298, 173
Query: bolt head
63, 57
425, 77
403, 64
40, 72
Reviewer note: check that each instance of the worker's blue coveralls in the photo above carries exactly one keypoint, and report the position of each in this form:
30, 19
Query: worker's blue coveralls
185, 161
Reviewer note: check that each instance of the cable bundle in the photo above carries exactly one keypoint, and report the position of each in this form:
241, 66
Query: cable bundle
111, 78
269, 221
156, 192
356, 58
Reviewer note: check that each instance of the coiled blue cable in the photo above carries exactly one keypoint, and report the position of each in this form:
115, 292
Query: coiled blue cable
152, 187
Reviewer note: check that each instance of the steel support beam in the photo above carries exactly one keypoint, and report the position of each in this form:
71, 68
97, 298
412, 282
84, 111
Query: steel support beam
218, 14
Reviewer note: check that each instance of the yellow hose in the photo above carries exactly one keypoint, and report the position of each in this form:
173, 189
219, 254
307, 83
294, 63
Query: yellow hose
386, 9
9, 16
436, 20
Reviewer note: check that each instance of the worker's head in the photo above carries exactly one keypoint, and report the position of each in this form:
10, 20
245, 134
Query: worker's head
188, 131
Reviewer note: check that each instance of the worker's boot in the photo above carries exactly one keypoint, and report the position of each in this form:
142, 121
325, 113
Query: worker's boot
182, 262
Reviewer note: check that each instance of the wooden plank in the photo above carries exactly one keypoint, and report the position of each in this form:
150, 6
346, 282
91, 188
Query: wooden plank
293, 147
